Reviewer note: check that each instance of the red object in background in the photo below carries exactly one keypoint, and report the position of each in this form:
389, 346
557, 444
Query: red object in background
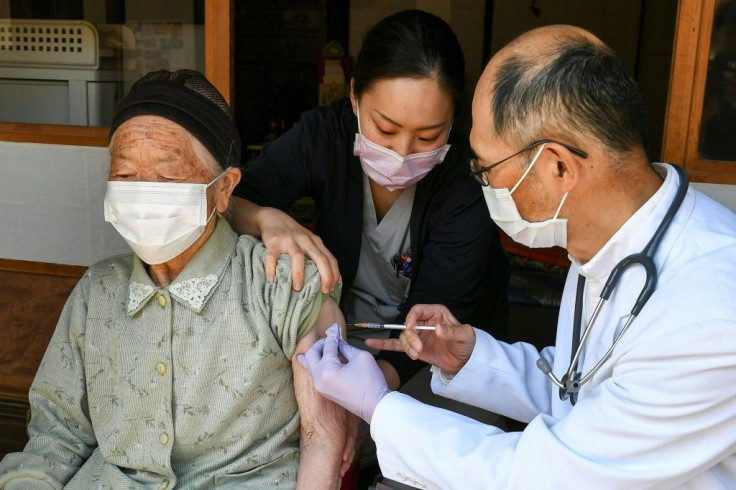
350, 480
554, 255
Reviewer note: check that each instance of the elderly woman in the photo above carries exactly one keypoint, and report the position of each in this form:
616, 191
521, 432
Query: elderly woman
172, 366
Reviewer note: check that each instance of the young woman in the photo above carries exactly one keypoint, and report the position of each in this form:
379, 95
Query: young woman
397, 212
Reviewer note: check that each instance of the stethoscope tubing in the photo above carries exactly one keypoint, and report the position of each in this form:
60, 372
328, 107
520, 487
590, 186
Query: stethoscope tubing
572, 381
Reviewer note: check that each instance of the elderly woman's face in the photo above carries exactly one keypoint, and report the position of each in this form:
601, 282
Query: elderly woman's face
161, 181
155, 149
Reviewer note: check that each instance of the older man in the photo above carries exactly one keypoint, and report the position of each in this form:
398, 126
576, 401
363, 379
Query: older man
635, 394
172, 366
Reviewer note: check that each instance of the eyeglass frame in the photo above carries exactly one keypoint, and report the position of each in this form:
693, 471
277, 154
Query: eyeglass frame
479, 173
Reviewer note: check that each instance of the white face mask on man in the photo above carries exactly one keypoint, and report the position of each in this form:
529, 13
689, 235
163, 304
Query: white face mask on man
158, 220
540, 234
389, 169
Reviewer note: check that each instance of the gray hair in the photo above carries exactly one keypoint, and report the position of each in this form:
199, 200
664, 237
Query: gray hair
576, 91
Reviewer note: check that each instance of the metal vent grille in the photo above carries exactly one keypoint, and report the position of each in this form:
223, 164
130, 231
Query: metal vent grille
48, 43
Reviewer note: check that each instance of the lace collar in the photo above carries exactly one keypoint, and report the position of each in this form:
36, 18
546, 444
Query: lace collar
195, 284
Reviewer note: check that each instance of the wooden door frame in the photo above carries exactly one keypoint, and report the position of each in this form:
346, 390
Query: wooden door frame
685, 99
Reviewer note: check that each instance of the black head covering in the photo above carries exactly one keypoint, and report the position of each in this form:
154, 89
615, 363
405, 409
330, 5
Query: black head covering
187, 98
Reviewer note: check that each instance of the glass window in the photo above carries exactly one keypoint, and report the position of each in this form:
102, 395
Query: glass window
717, 140
68, 62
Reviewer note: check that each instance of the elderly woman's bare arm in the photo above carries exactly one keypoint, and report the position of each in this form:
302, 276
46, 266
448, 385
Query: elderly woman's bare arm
328, 431
283, 234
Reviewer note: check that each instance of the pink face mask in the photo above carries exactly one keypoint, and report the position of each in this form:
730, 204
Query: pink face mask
389, 169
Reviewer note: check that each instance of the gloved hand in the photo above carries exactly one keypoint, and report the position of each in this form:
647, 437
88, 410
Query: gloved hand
357, 385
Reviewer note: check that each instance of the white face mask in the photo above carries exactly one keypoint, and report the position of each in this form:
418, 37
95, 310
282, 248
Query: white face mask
158, 220
389, 169
541, 234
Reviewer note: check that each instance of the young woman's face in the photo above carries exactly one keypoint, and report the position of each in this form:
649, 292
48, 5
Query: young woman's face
406, 115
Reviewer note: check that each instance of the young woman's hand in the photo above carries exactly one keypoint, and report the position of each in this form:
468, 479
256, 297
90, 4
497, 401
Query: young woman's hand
282, 234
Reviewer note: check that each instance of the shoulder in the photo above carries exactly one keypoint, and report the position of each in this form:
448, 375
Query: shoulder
114, 268
249, 252
101, 285
701, 264
250, 256
720, 216
704, 228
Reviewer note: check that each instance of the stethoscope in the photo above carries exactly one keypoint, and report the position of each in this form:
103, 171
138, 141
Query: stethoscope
574, 379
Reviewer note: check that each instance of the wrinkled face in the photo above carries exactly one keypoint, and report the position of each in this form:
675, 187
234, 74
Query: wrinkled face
532, 201
406, 115
155, 149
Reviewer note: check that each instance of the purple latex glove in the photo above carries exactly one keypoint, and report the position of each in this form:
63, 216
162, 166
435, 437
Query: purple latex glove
357, 385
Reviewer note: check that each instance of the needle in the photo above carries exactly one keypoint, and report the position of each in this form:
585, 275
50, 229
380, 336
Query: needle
388, 326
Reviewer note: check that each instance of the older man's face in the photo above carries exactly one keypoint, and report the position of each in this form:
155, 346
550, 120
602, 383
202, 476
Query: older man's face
155, 149
533, 203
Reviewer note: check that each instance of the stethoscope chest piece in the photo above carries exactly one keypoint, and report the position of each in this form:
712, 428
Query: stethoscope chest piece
570, 387
571, 382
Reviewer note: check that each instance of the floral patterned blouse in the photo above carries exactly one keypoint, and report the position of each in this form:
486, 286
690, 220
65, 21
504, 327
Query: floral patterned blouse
186, 386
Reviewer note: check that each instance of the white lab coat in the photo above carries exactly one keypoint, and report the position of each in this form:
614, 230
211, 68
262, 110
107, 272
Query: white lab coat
660, 413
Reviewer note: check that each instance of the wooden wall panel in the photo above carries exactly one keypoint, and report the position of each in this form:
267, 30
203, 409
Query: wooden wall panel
218, 46
32, 296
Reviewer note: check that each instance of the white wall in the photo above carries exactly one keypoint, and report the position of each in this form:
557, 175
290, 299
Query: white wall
51, 204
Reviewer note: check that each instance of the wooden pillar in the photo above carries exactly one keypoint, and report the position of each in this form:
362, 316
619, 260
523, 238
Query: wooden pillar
218, 45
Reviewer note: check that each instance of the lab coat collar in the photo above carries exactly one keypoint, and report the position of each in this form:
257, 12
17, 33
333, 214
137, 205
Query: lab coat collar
629, 239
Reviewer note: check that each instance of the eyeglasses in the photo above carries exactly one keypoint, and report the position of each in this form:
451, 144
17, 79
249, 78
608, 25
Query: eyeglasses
478, 172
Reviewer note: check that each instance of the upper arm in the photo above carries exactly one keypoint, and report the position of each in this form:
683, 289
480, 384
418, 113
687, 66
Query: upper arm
329, 314
291, 315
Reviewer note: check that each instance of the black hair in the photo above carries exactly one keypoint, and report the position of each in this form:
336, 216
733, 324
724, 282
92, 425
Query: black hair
412, 44
581, 88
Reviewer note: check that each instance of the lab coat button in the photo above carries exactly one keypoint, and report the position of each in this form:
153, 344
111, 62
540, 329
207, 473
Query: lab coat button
162, 300
163, 438
161, 368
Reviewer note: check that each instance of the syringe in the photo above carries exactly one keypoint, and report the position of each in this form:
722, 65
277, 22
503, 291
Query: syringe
388, 326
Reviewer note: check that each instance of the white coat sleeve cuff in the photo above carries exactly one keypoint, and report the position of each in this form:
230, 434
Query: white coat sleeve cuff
453, 386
